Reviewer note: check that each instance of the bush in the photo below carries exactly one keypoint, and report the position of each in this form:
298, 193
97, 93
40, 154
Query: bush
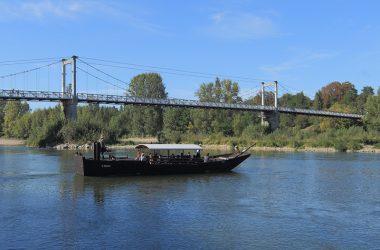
172, 136
340, 145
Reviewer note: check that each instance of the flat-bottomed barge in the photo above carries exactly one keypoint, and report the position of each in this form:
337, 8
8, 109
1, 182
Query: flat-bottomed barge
156, 164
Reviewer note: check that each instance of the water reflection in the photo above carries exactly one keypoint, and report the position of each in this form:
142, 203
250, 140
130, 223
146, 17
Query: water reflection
143, 185
304, 199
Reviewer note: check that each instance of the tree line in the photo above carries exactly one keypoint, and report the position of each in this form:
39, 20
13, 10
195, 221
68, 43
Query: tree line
48, 127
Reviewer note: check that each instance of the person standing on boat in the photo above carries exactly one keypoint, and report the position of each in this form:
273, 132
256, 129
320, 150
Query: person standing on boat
102, 146
142, 158
207, 157
198, 155
138, 157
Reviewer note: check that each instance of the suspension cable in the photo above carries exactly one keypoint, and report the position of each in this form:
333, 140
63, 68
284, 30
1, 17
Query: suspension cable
101, 71
27, 71
101, 79
190, 73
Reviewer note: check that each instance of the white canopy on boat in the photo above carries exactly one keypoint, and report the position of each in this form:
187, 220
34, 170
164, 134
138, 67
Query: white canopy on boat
170, 146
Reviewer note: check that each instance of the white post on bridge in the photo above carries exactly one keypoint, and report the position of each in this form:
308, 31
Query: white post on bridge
262, 103
63, 77
70, 106
270, 118
74, 76
276, 94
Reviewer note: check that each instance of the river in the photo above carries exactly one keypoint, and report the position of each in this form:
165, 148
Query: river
271, 201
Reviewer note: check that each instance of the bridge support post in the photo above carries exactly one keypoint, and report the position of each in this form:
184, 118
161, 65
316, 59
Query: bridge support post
270, 118
69, 107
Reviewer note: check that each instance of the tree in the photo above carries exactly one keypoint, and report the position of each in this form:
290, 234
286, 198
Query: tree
318, 101
176, 122
338, 92
216, 121
119, 125
268, 99
340, 123
147, 120
12, 111
242, 120
2, 106
298, 100
372, 112
367, 91
45, 127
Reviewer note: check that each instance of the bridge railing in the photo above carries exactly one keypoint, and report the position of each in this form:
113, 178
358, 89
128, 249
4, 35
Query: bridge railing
115, 99
98, 98
82, 97
33, 95
317, 112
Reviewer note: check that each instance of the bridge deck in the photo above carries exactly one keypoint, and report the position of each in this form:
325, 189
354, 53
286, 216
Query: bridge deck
133, 100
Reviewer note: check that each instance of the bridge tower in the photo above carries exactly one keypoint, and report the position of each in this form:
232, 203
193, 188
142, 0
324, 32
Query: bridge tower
270, 118
69, 107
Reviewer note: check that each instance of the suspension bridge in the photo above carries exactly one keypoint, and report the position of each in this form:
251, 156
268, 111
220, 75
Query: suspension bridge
69, 97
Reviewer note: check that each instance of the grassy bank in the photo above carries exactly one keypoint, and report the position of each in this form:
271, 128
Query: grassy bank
290, 139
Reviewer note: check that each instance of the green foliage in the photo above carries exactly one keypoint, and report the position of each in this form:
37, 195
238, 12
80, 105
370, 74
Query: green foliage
94, 121
362, 98
177, 125
146, 121
2, 107
45, 126
372, 112
13, 110
318, 101
216, 121
295, 101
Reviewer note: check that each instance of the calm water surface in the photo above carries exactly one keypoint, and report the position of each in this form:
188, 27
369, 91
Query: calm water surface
271, 201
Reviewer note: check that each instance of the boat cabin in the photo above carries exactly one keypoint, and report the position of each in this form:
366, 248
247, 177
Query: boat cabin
169, 151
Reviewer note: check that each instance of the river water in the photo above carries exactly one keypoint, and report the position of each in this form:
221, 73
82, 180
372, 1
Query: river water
271, 201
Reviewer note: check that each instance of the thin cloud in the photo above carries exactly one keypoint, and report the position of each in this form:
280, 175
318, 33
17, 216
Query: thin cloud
299, 62
46, 10
240, 25
42, 9
281, 67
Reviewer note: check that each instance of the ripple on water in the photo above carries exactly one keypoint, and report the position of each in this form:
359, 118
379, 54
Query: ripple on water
273, 200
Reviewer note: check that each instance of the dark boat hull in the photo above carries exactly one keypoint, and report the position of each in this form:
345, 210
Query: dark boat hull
91, 167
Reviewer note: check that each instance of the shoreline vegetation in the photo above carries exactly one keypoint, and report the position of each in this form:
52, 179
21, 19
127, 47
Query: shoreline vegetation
219, 147
215, 129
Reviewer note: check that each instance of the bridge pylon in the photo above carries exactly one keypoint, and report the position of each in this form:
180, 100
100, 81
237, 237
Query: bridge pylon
69, 107
270, 118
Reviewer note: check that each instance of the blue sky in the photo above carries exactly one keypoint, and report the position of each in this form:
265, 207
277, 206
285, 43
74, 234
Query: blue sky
302, 44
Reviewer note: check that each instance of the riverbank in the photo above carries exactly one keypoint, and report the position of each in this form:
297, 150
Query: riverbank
218, 147
11, 142
365, 149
